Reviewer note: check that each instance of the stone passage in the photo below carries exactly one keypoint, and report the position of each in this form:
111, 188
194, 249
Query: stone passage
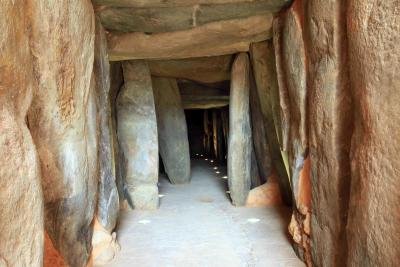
172, 130
196, 225
137, 134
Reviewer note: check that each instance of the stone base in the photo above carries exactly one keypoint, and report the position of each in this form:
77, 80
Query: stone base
267, 194
105, 245
144, 197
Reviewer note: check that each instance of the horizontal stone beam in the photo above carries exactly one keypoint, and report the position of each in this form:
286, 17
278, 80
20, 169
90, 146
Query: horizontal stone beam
172, 3
204, 104
167, 19
212, 39
204, 69
195, 89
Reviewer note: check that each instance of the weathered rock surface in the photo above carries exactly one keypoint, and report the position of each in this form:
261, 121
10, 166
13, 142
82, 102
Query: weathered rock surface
202, 69
265, 195
167, 19
63, 122
108, 199
116, 82
373, 230
206, 40
172, 130
292, 79
240, 142
198, 96
255, 177
137, 135
259, 135
330, 125
176, 3
264, 69
21, 200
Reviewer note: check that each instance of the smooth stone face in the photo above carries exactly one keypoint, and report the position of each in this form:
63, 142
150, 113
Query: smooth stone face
172, 130
21, 199
108, 199
63, 122
240, 142
330, 126
137, 135
202, 41
374, 54
264, 70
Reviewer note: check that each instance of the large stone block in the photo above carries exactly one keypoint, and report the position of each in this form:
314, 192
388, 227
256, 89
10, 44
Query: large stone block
373, 232
264, 70
172, 130
204, 41
21, 199
108, 199
137, 135
63, 122
330, 126
240, 143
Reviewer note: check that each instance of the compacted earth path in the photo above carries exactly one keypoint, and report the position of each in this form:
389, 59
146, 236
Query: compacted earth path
196, 225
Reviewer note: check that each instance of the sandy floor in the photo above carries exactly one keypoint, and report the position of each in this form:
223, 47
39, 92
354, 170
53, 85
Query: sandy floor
196, 225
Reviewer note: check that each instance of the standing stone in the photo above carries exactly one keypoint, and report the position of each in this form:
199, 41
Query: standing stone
172, 130
330, 128
240, 143
215, 133
206, 124
21, 200
108, 200
137, 135
260, 138
264, 69
63, 122
116, 82
373, 30
292, 79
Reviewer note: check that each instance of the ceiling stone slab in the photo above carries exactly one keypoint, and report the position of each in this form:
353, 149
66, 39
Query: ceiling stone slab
165, 19
212, 39
172, 3
204, 69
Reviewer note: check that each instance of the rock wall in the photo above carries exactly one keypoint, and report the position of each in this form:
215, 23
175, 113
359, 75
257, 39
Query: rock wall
240, 141
373, 31
137, 136
21, 201
63, 122
345, 54
172, 130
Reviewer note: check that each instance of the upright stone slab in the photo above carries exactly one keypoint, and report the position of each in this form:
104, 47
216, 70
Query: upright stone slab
21, 199
63, 122
137, 135
291, 65
259, 134
373, 231
330, 127
264, 70
172, 130
108, 200
240, 143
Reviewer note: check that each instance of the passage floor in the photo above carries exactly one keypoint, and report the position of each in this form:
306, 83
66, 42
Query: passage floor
196, 225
